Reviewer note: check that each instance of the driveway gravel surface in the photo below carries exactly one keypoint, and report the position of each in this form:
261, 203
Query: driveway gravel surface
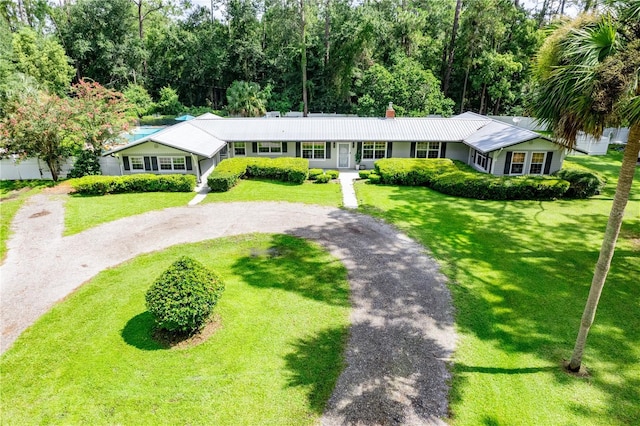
402, 334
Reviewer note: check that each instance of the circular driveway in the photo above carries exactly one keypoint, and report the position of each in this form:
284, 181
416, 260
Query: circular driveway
401, 336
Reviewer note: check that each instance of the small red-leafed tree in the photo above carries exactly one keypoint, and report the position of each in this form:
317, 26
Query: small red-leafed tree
40, 125
101, 114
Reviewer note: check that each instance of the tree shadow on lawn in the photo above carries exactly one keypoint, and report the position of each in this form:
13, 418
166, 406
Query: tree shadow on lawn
522, 277
293, 264
138, 332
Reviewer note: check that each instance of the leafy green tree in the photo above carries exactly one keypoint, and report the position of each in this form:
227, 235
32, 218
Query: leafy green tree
40, 125
43, 59
101, 39
588, 73
139, 99
245, 51
246, 99
169, 104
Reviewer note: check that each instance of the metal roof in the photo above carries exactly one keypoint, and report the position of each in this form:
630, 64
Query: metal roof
208, 133
182, 136
339, 129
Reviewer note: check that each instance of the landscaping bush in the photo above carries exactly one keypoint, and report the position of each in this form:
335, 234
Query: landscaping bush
87, 164
412, 172
460, 180
333, 174
374, 178
183, 297
313, 173
323, 178
101, 185
364, 174
228, 172
488, 187
583, 182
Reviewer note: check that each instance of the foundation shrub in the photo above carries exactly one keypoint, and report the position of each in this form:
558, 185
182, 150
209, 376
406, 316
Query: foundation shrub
183, 297
313, 173
226, 175
101, 185
323, 178
375, 178
294, 170
583, 182
412, 172
333, 174
364, 174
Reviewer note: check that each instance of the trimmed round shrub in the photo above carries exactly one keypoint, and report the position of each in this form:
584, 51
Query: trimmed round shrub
183, 297
323, 178
314, 173
364, 174
583, 183
374, 178
333, 174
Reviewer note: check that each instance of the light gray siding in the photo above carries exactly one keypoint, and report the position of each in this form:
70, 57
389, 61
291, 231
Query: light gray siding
458, 151
538, 145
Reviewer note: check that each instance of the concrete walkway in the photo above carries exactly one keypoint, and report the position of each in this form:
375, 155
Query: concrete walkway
346, 179
401, 334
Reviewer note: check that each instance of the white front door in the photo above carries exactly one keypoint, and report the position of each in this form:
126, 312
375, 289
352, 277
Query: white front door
343, 155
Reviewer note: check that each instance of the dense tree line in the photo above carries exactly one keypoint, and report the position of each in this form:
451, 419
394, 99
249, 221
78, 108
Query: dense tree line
425, 56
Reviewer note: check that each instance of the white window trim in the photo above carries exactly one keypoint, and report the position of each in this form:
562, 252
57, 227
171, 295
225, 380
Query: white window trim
524, 163
426, 151
244, 145
270, 152
479, 166
313, 151
374, 151
131, 169
544, 161
173, 168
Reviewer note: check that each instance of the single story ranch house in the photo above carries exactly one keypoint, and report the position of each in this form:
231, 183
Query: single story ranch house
197, 146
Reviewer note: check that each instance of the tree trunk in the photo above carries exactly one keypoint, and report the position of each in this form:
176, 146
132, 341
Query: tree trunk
303, 60
53, 167
452, 46
483, 96
327, 31
464, 88
620, 199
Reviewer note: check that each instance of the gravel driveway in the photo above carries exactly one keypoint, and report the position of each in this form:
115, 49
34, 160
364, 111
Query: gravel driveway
402, 332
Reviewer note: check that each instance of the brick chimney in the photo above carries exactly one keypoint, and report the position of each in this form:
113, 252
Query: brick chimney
391, 113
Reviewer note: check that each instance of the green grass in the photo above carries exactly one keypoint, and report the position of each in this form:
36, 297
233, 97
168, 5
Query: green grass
13, 194
328, 194
84, 212
520, 274
275, 360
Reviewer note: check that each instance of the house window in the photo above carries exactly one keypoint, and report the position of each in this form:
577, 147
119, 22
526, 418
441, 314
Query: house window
172, 163
137, 163
313, 150
428, 150
374, 150
517, 163
481, 160
239, 148
537, 163
269, 147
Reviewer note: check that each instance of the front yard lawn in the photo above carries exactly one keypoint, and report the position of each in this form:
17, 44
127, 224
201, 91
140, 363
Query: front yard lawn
328, 194
84, 212
520, 274
274, 360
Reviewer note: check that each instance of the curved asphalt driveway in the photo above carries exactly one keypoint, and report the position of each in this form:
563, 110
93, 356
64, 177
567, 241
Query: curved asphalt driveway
402, 331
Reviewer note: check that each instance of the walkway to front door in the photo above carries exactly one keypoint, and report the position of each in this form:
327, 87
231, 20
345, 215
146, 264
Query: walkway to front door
346, 179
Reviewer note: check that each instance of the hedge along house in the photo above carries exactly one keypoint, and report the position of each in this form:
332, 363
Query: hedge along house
198, 145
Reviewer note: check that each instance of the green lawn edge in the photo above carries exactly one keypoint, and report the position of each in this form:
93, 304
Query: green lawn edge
519, 273
275, 359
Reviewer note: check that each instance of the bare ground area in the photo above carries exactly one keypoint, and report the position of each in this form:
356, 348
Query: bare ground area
401, 336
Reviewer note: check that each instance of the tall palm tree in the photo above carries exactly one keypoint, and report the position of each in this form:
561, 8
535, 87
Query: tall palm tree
587, 77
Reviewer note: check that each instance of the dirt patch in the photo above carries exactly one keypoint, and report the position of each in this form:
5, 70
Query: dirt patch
40, 214
61, 188
184, 341
15, 194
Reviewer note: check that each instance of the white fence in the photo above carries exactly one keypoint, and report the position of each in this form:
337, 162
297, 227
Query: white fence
33, 168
